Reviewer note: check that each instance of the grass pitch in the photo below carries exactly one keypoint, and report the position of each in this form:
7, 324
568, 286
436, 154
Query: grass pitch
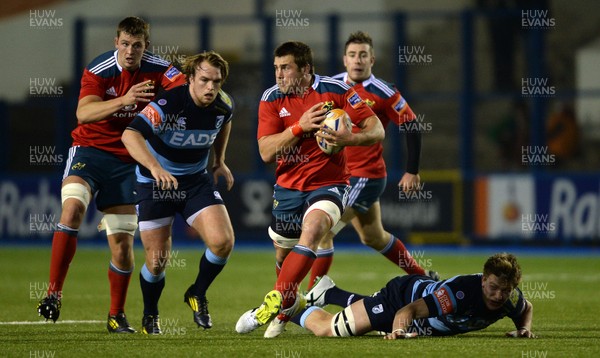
563, 290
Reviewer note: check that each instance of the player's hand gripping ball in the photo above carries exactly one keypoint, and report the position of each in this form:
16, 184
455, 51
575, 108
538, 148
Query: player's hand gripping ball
334, 120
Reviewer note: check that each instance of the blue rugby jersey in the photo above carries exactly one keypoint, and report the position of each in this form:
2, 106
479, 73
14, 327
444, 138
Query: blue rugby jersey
180, 134
455, 305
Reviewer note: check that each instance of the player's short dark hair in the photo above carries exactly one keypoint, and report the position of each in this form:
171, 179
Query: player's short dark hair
191, 63
505, 267
301, 52
134, 26
359, 37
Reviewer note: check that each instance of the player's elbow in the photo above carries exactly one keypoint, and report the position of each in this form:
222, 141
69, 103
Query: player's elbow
267, 157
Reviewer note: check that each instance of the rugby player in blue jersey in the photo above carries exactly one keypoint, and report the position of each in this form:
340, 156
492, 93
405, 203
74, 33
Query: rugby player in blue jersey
415, 305
171, 140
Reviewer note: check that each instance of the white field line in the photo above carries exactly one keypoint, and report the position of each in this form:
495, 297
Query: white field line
17, 323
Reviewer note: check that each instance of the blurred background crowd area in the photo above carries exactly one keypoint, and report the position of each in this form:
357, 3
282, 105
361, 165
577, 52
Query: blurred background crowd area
525, 73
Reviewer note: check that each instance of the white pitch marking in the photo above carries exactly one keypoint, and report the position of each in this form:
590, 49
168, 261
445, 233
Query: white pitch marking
48, 322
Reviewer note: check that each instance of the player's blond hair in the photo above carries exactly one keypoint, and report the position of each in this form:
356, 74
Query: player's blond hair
191, 63
505, 267
134, 26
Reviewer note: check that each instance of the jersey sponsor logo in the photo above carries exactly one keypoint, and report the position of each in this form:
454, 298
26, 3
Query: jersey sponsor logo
220, 120
181, 139
152, 115
284, 113
443, 297
399, 105
377, 309
172, 73
129, 107
355, 100
111, 92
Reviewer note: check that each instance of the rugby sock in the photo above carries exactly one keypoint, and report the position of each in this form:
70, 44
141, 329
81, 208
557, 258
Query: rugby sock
64, 245
396, 252
119, 283
210, 267
337, 296
321, 265
152, 287
294, 269
301, 317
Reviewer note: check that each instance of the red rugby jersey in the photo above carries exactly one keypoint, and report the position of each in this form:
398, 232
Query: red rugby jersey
104, 77
305, 167
387, 103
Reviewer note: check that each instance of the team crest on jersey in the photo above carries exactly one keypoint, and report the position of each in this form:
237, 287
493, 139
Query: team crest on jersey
355, 100
220, 120
377, 309
328, 105
514, 297
369, 102
162, 102
275, 204
217, 195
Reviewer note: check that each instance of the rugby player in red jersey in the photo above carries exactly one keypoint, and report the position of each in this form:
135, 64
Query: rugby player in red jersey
367, 167
310, 193
115, 87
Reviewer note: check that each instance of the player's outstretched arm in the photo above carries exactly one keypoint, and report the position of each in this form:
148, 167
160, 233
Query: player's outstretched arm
219, 168
92, 108
136, 146
405, 316
523, 324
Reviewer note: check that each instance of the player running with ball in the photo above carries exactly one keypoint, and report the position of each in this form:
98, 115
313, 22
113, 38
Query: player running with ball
309, 194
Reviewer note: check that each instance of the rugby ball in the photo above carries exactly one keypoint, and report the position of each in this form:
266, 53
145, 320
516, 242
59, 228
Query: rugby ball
334, 120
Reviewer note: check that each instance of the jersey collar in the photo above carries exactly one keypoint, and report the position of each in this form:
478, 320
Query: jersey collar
116, 54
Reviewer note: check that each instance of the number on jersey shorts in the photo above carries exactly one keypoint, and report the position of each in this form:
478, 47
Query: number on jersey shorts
111, 179
289, 206
364, 192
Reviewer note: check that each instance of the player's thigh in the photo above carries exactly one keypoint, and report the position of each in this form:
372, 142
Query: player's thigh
362, 324
368, 224
214, 227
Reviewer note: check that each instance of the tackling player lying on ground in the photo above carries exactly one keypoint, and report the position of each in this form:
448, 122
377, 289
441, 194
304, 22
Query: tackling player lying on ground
367, 166
415, 305
115, 86
171, 139
310, 193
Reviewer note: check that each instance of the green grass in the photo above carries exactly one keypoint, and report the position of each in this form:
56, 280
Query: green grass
564, 291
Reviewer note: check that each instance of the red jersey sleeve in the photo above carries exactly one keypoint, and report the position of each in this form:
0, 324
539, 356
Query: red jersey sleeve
268, 120
398, 110
91, 85
356, 108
